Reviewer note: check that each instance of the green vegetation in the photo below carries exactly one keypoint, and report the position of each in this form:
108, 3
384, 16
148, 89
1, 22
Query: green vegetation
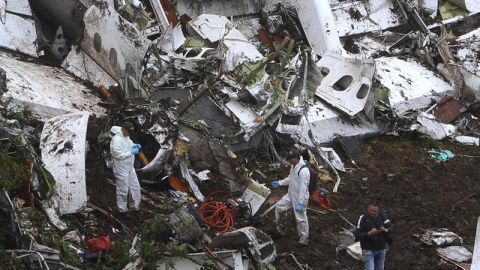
9, 261
66, 254
118, 257
12, 172
154, 247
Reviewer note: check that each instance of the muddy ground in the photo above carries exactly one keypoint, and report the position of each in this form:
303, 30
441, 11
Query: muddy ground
413, 190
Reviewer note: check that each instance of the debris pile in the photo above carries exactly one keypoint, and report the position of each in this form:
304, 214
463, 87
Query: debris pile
209, 87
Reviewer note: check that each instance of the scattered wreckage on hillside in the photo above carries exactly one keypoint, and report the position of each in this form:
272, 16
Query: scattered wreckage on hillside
202, 82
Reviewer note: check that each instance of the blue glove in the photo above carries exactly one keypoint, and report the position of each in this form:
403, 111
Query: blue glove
275, 184
298, 207
135, 150
138, 146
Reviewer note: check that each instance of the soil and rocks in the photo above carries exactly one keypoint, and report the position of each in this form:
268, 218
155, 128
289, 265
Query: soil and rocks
414, 190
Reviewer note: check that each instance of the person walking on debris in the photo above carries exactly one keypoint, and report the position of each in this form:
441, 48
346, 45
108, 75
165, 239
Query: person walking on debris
374, 232
123, 152
297, 196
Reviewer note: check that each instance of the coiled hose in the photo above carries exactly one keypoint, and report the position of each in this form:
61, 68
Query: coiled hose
217, 215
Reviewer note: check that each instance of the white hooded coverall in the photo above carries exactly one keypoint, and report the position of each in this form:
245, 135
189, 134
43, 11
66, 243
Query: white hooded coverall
123, 159
297, 182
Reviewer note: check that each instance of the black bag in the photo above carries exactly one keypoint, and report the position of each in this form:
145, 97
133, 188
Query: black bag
312, 186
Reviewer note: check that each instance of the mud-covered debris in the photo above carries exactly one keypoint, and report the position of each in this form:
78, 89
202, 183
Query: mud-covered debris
63, 146
45, 91
440, 237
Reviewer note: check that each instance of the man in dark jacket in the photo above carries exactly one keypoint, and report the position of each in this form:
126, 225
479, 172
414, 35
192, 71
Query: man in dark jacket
374, 231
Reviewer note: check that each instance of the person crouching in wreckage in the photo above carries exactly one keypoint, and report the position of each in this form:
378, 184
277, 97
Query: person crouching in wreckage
297, 196
123, 152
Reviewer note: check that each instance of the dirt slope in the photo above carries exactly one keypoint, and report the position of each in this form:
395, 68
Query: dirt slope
414, 190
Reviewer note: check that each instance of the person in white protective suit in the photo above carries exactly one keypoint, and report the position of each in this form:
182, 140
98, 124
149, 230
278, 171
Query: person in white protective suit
297, 196
123, 152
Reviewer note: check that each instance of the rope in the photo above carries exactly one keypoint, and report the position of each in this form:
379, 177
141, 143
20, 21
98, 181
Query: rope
216, 215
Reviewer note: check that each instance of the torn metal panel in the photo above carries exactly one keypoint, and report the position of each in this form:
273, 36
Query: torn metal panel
210, 27
44, 256
17, 28
293, 113
172, 40
218, 28
430, 7
455, 253
471, 6
49, 207
319, 26
196, 261
440, 237
255, 194
18, 6
428, 125
289, 124
63, 146
239, 51
160, 15
162, 125
156, 166
44, 90
356, 17
463, 85
260, 244
333, 158
472, 81
368, 47
327, 125
191, 183
114, 43
220, 7
355, 250
184, 225
410, 85
250, 28
246, 115
84, 67
468, 51
347, 84
468, 140
458, 25
151, 31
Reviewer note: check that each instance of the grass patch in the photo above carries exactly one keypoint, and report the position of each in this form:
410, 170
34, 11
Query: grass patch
12, 171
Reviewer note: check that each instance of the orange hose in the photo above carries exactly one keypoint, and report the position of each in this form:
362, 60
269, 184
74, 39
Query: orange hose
216, 215
143, 159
